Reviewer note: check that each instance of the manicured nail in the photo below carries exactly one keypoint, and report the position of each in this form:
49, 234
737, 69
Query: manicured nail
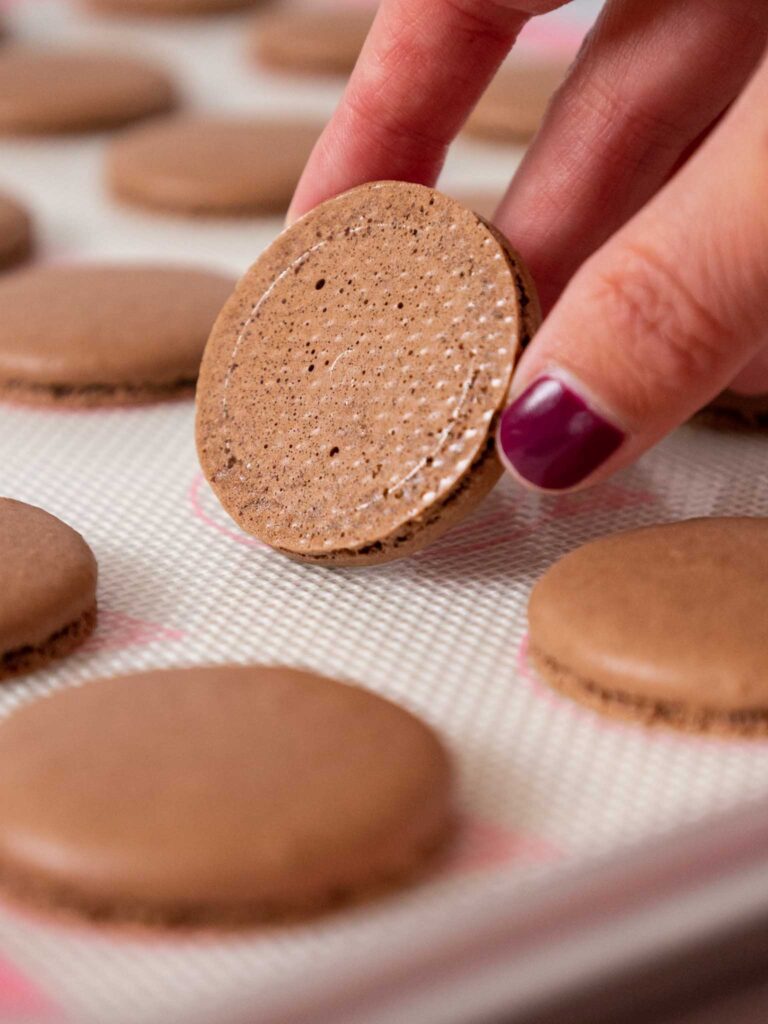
552, 438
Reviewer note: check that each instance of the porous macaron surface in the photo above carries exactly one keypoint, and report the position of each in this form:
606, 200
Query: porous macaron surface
49, 91
49, 577
77, 331
670, 617
351, 385
232, 794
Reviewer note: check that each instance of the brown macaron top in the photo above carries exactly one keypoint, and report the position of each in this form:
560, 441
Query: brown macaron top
672, 614
85, 326
167, 8
324, 40
57, 91
202, 164
515, 102
221, 794
49, 577
350, 388
16, 232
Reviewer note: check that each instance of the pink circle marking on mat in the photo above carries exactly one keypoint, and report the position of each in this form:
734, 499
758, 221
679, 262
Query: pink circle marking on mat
116, 629
482, 845
20, 1000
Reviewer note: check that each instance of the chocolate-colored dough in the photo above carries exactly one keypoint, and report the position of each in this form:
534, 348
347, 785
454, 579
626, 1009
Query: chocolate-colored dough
324, 41
223, 794
168, 8
732, 411
350, 389
120, 334
16, 233
46, 91
219, 166
514, 103
664, 624
48, 596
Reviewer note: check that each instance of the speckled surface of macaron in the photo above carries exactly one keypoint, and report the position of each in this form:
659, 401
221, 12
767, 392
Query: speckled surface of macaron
351, 386
514, 104
664, 625
206, 165
105, 334
322, 41
16, 233
48, 596
47, 91
221, 795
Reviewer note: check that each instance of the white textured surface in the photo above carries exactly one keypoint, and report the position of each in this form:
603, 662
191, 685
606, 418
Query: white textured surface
544, 785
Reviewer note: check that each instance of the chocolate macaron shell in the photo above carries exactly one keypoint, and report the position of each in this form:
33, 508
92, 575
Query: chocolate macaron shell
663, 624
56, 91
111, 334
16, 233
326, 41
515, 102
246, 794
350, 388
732, 411
214, 166
167, 8
48, 597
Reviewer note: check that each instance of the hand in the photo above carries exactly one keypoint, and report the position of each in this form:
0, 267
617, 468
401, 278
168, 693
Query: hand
641, 207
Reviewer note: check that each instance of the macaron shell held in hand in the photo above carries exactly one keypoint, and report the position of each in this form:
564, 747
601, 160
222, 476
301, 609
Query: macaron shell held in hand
16, 233
236, 795
324, 41
351, 386
515, 102
61, 91
663, 625
88, 335
48, 596
205, 165
732, 411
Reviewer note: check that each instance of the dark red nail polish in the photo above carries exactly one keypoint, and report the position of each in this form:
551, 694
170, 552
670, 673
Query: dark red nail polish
552, 438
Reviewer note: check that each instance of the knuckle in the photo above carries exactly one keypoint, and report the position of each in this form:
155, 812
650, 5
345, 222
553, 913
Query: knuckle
666, 336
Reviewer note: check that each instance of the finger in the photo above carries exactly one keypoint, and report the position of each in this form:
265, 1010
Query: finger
657, 322
424, 66
753, 378
653, 76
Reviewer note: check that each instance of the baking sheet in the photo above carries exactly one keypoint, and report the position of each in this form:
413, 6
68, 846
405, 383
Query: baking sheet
546, 787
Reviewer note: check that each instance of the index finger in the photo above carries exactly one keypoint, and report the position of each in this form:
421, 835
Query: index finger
422, 69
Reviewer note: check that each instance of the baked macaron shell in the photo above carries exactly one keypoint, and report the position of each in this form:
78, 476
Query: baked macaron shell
89, 334
46, 91
49, 580
350, 388
214, 166
324, 41
227, 794
514, 104
16, 233
664, 623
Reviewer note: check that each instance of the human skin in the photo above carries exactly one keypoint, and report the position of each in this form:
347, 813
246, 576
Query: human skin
641, 207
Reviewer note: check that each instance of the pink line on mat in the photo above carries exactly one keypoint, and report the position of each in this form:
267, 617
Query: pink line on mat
195, 500
20, 1000
552, 35
482, 844
117, 629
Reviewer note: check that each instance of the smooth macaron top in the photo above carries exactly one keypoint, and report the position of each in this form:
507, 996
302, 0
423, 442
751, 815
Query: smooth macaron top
48, 572
515, 102
51, 91
673, 613
211, 165
110, 325
15, 231
227, 792
326, 40
351, 384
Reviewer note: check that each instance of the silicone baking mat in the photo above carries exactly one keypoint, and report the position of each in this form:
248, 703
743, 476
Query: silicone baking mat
545, 786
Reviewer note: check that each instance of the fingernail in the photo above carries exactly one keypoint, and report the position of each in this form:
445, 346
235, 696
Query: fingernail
552, 438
